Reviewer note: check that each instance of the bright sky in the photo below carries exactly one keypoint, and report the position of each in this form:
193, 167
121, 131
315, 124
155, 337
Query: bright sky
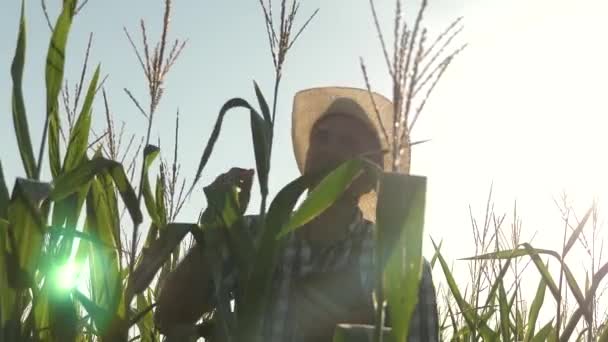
524, 107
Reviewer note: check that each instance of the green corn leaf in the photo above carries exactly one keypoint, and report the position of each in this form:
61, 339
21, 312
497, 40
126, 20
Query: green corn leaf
150, 154
435, 255
468, 312
260, 133
498, 282
55, 62
100, 316
4, 197
578, 313
399, 230
537, 303
41, 313
323, 195
504, 313
103, 260
534, 253
543, 333
85, 237
230, 104
146, 322
72, 181
25, 213
79, 138
263, 104
519, 321
7, 293
107, 182
22, 130
262, 129
66, 212
528, 250
576, 291
453, 320
544, 271
464, 307
161, 211
261, 136
577, 232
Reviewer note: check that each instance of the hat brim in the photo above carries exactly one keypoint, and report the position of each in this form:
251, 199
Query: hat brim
310, 105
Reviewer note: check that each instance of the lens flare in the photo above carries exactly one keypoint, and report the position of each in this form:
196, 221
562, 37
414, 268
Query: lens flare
66, 276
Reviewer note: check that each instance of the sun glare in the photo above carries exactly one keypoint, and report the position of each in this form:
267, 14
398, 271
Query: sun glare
67, 276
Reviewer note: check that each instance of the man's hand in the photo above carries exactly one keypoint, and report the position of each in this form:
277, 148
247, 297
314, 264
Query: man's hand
236, 179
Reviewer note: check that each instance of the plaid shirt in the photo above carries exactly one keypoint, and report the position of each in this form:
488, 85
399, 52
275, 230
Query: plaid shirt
299, 259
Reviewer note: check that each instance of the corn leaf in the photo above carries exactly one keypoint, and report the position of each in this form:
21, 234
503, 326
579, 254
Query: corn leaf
399, 229
103, 260
468, 312
41, 312
146, 322
498, 282
79, 137
150, 154
577, 232
22, 130
72, 181
7, 293
260, 140
263, 104
504, 313
260, 132
436, 254
4, 197
578, 313
323, 195
543, 333
100, 316
55, 62
161, 211
28, 225
528, 250
537, 303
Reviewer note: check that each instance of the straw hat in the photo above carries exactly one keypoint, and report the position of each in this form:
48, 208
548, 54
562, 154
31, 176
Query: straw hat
312, 104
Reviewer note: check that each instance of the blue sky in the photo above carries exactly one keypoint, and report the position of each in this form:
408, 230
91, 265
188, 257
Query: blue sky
523, 107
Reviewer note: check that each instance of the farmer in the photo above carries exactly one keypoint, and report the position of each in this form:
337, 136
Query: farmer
324, 276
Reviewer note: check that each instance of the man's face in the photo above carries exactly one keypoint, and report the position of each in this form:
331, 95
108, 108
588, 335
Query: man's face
337, 138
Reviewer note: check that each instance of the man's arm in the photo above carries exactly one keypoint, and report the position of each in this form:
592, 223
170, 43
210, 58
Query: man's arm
185, 295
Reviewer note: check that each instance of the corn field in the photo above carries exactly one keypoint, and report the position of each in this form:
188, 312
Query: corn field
87, 217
